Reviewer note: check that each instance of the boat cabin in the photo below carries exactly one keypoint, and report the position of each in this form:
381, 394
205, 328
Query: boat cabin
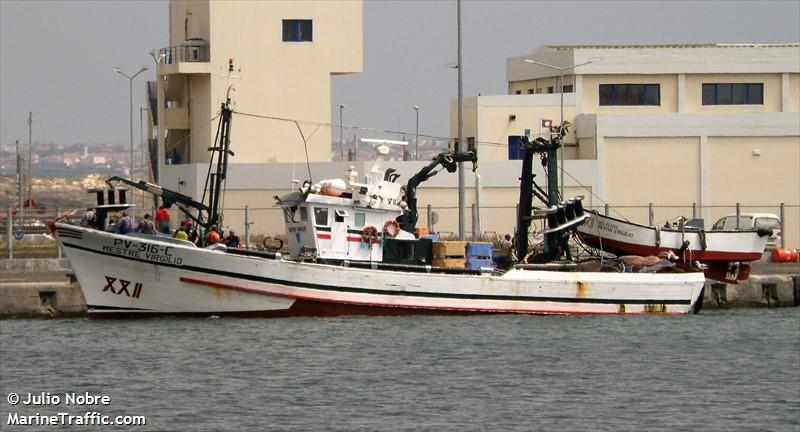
343, 219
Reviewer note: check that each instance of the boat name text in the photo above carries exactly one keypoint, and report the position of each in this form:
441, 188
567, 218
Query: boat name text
148, 251
614, 229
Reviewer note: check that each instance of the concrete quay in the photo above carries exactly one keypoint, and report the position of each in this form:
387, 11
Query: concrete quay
41, 287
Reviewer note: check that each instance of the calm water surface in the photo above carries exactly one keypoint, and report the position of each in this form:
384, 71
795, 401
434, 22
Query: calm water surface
735, 370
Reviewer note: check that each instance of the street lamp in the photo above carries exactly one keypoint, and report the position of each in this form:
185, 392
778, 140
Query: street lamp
341, 141
561, 90
130, 116
416, 141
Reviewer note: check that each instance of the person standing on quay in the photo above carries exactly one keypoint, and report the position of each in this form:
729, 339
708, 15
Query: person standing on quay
162, 219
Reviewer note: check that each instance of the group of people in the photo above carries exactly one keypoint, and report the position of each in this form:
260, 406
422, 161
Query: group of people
161, 224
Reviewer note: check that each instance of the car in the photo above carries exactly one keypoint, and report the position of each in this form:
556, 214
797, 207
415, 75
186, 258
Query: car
759, 221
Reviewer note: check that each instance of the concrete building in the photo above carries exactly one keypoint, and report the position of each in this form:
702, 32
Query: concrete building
709, 125
283, 55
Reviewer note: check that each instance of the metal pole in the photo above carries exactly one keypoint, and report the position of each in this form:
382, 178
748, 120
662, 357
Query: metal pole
10, 234
474, 223
20, 187
246, 227
30, 153
650, 213
461, 147
738, 214
476, 215
694, 210
606, 209
341, 141
416, 140
430, 219
783, 224
58, 246
130, 119
560, 127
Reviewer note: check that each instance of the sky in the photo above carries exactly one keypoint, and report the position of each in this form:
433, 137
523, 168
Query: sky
56, 57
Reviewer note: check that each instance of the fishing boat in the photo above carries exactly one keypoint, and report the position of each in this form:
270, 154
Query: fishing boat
725, 254
352, 249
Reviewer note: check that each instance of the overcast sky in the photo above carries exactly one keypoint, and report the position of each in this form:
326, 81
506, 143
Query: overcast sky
57, 56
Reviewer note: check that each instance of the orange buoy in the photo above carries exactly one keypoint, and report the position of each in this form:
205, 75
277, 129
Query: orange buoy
784, 255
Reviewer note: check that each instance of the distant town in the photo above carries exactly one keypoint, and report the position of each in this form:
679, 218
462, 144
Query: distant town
70, 160
50, 160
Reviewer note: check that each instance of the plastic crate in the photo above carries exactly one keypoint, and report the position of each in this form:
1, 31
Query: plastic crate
475, 263
479, 250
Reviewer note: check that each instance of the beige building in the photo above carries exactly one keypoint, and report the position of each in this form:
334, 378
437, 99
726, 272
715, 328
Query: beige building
684, 128
284, 54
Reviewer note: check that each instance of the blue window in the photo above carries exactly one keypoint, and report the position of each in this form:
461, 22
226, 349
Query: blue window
733, 94
630, 94
515, 147
297, 30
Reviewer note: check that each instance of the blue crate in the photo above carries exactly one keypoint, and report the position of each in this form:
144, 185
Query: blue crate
434, 237
479, 250
475, 263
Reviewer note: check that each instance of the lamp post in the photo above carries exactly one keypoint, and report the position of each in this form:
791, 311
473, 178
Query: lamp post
341, 141
130, 116
416, 140
561, 90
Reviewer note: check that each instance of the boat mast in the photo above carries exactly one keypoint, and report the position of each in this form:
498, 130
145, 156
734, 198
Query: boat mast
221, 151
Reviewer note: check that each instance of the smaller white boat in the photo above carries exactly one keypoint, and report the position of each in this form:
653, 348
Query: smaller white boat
724, 253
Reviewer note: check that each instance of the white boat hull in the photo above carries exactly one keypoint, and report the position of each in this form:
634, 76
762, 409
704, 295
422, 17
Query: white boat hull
123, 276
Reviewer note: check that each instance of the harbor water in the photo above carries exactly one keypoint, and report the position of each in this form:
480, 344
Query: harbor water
734, 370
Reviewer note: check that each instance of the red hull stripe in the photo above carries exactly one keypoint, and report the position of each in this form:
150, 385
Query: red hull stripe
637, 249
383, 306
352, 239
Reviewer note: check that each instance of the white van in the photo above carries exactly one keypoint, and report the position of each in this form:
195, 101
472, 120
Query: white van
753, 221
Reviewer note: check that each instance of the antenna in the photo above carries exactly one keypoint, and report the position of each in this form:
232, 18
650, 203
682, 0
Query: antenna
231, 76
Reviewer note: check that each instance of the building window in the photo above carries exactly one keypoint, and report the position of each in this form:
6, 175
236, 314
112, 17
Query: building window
733, 94
630, 94
530, 91
297, 30
549, 90
518, 92
568, 88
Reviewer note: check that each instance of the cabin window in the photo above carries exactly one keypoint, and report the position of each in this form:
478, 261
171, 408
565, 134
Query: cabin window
321, 216
297, 30
288, 214
733, 94
361, 219
304, 214
630, 94
340, 216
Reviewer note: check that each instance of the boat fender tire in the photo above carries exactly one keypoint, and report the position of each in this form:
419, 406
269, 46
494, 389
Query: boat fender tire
391, 228
368, 233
